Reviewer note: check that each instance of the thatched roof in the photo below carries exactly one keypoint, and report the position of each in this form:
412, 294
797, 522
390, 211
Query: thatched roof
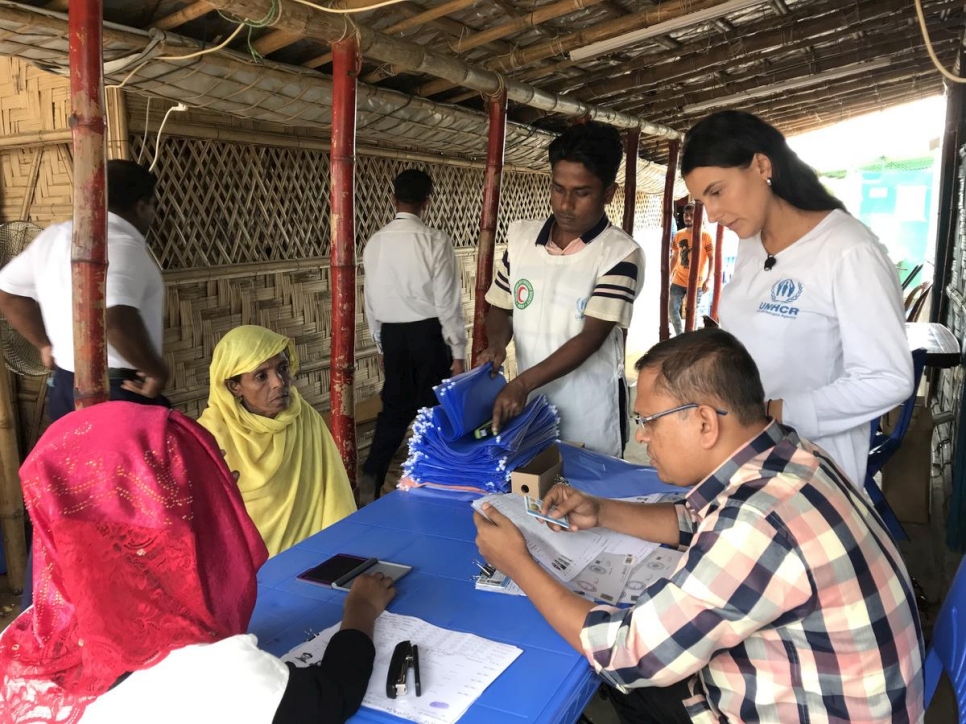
427, 64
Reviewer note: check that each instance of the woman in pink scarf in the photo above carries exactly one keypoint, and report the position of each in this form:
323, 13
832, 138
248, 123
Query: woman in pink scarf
144, 571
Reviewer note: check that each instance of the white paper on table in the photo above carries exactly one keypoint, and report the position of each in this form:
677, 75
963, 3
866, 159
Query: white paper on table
563, 554
655, 498
659, 564
604, 578
455, 668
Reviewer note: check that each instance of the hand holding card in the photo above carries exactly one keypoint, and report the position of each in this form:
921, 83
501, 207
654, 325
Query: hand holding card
534, 507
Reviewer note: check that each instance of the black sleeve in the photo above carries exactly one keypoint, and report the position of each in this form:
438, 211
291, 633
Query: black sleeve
332, 690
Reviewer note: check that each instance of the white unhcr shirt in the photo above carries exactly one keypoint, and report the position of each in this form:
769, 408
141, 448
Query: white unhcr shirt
42, 273
412, 275
826, 328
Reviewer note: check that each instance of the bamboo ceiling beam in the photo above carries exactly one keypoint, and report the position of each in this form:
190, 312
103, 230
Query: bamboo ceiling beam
801, 32
670, 10
326, 27
522, 22
419, 17
778, 32
274, 40
855, 51
186, 14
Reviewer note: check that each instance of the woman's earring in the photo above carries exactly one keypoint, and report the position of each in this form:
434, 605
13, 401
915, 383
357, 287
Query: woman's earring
768, 181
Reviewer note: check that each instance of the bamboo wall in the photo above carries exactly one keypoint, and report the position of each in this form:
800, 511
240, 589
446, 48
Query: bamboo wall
242, 233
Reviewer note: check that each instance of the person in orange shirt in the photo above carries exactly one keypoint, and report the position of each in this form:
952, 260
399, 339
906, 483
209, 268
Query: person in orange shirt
681, 268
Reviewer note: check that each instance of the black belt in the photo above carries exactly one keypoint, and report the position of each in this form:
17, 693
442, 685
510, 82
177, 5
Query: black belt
121, 373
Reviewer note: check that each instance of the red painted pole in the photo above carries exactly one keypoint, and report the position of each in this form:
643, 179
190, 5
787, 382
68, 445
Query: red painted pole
695, 267
89, 243
673, 147
495, 148
718, 250
630, 179
346, 62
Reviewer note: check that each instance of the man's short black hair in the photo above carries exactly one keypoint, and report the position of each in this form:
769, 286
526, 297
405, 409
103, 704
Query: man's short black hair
598, 147
412, 186
128, 183
708, 366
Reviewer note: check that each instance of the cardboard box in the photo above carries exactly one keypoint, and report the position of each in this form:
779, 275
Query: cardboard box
538, 476
905, 478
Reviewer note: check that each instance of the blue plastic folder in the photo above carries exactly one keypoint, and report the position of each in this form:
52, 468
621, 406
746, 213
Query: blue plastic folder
444, 452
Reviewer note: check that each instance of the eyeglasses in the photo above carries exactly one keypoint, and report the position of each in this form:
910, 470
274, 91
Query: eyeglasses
642, 421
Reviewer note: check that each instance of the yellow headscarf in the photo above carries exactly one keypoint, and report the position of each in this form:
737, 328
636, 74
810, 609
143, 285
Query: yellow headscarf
290, 473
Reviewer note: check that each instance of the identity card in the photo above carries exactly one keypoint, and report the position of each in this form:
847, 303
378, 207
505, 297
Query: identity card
534, 508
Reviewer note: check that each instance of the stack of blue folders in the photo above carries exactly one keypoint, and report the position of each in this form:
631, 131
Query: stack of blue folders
443, 451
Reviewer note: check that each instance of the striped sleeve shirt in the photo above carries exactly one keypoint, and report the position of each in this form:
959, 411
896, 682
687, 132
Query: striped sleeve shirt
615, 290
791, 603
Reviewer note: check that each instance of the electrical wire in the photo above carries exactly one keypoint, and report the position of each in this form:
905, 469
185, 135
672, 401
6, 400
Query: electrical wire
929, 49
349, 11
157, 143
224, 43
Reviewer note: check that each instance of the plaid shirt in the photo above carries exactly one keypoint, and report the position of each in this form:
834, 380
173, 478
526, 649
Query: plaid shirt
791, 603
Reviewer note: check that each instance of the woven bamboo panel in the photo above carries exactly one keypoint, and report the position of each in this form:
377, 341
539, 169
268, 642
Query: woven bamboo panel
232, 203
41, 176
30, 99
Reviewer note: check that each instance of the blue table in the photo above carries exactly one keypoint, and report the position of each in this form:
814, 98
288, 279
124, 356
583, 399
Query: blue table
549, 682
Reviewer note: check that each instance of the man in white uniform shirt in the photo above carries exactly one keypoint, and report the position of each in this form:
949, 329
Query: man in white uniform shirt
564, 292
36, 297
414, 307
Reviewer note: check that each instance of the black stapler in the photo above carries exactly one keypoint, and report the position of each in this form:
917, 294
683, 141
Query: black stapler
404, 657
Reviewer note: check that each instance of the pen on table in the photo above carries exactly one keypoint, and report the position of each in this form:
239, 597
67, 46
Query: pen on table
419, 691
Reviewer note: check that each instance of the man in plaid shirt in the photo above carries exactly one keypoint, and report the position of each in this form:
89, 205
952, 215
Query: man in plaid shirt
791, 602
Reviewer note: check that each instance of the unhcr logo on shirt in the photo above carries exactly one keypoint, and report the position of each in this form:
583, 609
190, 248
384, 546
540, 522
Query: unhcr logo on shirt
783, 294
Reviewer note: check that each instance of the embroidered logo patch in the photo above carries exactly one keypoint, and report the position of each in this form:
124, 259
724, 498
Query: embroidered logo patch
523, 294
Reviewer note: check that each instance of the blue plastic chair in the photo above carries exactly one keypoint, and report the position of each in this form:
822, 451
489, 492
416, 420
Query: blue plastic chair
883, 446
947, 650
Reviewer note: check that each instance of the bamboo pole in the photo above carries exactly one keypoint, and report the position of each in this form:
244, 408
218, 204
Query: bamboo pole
28, 194
35, 138
118, 135
695, 266
673, 147
718, 251
630, 180
953, 130
89, 244
11, 495
185, 15
328, 28
346, 61
496, 146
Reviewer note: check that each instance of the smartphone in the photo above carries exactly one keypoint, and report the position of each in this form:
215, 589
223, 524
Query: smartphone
335, 568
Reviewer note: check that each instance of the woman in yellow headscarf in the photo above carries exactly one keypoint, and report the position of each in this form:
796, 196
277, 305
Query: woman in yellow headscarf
291, 476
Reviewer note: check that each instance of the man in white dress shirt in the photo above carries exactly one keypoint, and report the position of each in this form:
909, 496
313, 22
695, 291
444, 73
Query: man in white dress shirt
36, 297
414, 307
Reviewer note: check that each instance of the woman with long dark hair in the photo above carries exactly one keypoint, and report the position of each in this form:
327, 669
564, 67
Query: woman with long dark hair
814, 296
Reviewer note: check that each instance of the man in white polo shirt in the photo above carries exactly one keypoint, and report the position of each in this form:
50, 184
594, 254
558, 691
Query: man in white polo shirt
36, 297
564, 292
414, 307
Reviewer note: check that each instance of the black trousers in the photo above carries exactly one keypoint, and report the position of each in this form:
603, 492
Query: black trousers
60, 401
60, 396
415, 358
652, 705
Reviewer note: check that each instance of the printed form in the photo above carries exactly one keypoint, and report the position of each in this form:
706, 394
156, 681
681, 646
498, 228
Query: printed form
455, 668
